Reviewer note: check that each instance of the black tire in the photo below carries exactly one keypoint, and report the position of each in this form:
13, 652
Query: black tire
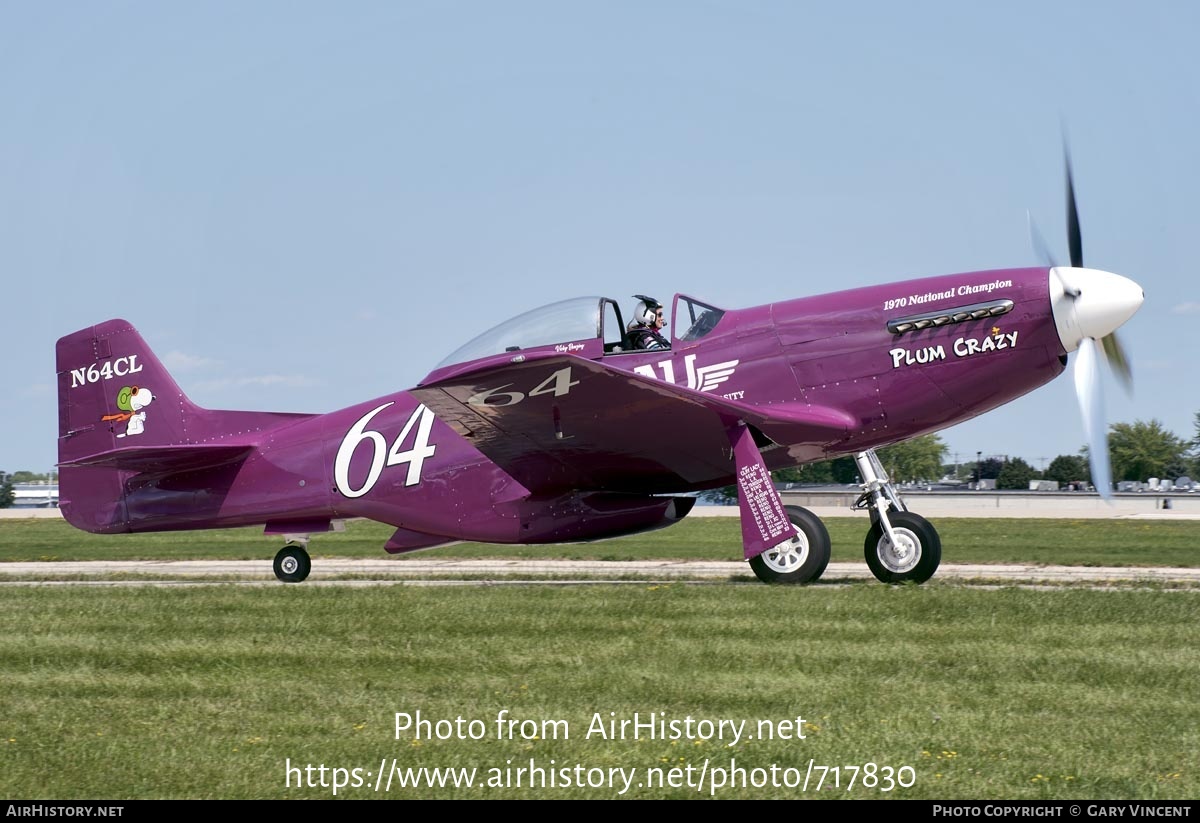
292, 564
803, 565
921, 555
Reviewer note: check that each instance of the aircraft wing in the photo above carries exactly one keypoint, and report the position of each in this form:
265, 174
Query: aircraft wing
557, 421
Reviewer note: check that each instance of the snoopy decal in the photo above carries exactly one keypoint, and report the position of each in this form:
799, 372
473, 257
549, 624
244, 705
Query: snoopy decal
131, 400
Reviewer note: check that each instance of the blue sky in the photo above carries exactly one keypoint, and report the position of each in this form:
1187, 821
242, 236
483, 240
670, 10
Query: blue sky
304, 205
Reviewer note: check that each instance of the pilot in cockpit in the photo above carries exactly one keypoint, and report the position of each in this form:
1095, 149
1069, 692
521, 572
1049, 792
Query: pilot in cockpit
646, 324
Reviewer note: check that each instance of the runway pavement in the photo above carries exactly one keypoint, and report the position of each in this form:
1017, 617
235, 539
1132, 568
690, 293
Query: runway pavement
506, 572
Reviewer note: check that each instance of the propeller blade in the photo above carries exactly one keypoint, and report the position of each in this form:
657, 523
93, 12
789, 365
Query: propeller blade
1117, 360
1039, 243
1074, 236
1089, 392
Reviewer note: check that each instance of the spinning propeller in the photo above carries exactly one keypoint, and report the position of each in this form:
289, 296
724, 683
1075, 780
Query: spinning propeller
1089, 305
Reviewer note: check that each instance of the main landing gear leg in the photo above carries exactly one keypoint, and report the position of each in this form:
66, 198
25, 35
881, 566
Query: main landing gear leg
292, 563
901, 547
783, 544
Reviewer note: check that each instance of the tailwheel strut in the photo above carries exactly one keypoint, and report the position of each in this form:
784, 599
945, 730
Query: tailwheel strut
292, 563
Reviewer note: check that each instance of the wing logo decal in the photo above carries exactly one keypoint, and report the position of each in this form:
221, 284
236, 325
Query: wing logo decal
699, 378
709, 377
557, 384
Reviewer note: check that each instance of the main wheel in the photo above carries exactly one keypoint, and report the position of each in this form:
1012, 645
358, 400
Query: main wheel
800, 561
292, 564
913, 559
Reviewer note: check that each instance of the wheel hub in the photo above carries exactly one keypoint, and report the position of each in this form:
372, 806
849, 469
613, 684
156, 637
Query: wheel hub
290, 565
787, 556
904, 554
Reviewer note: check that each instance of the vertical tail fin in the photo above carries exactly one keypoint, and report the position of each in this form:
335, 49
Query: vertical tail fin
113, 393
121, 415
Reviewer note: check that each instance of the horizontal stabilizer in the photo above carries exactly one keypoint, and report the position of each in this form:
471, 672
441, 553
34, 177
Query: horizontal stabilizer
162, 459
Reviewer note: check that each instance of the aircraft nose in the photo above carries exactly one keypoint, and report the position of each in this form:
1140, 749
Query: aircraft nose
1090, 303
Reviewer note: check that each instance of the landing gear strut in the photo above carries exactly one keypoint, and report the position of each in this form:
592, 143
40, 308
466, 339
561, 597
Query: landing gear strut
783, 544
901, 547
292, 563
801, 559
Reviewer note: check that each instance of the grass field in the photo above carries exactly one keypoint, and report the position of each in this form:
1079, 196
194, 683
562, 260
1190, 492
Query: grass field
1045, 541
931, 692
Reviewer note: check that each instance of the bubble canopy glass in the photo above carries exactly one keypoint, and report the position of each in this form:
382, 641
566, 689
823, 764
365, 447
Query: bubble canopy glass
575, 319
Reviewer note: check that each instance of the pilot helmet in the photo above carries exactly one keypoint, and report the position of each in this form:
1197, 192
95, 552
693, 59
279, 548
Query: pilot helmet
646, 310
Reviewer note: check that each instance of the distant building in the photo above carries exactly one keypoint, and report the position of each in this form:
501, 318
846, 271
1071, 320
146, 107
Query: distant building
35, 496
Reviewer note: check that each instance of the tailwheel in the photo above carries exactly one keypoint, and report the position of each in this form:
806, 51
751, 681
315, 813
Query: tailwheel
292, 564
800, 560
914, 556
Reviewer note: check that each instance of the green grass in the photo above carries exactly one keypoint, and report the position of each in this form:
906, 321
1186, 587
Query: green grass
210, 692
1047, 541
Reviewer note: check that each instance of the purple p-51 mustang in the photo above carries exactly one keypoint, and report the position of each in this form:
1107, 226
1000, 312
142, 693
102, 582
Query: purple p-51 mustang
550, 428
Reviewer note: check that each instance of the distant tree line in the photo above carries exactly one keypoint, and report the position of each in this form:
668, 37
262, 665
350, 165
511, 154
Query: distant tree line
1138, 451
